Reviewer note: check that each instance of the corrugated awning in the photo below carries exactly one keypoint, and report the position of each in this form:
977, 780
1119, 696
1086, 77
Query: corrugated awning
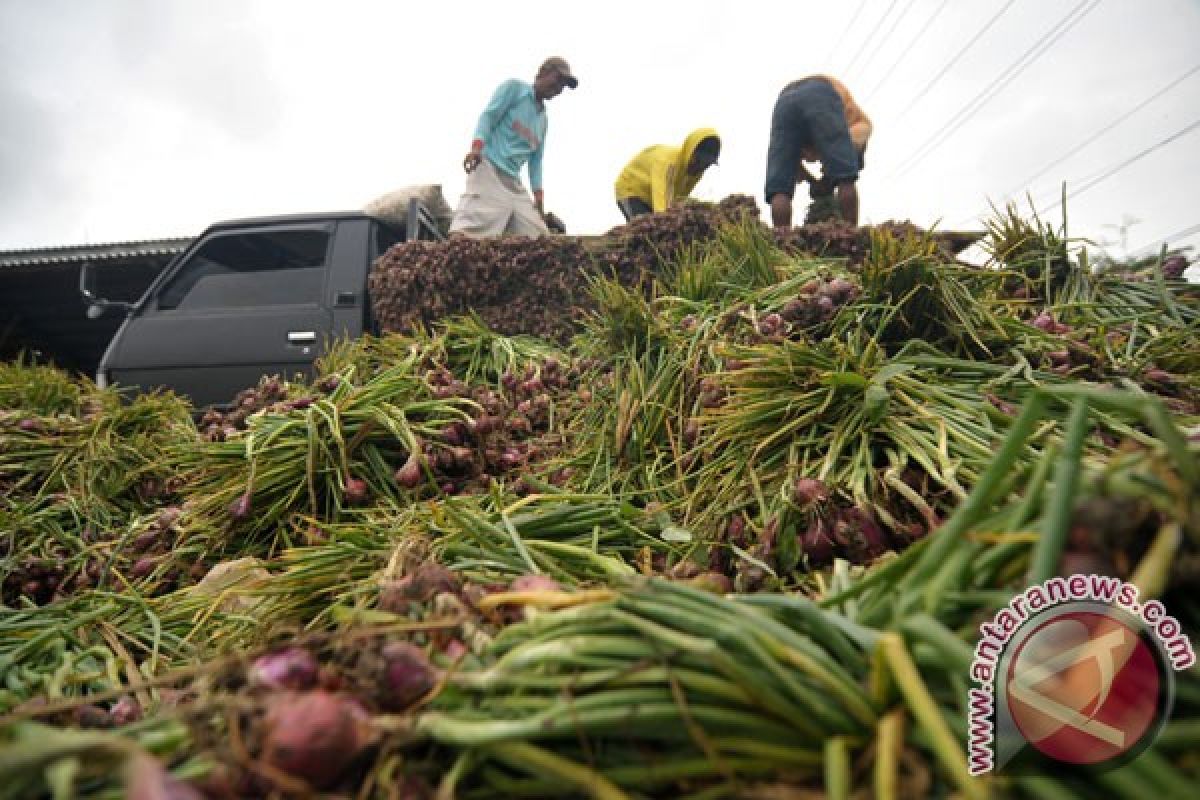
152, 248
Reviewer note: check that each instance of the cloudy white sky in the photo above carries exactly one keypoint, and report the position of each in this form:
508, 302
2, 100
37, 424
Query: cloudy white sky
136, 119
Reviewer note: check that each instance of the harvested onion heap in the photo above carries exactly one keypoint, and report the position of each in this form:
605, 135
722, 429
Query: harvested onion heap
504, 567
316, 720
539, 286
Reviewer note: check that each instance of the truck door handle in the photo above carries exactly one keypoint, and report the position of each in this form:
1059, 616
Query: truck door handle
302, 337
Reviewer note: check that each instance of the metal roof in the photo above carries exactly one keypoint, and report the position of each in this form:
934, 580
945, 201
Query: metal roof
77, 254
156, 248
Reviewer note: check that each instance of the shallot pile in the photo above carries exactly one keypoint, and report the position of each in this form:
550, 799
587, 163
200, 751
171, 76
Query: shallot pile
695, 509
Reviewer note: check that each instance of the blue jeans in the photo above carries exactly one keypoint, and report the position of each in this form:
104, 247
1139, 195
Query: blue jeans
809, 113
634, 207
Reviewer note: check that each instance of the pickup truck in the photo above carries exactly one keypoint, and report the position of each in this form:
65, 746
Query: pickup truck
248, 298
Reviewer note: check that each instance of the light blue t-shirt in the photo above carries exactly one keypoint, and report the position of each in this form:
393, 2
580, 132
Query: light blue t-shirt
513, 131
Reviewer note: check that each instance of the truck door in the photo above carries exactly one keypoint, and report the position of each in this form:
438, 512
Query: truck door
244, 304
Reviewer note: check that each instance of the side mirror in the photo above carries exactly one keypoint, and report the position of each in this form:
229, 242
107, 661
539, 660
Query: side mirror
97, 306
87, 288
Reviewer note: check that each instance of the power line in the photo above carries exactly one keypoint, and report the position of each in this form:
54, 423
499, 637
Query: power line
1096, 178
870, 36
904, 51
972, 107
1082, 145
887, 36
1106, 128
1023, 62
1089, 183
849, 25
933, 81
1166, 240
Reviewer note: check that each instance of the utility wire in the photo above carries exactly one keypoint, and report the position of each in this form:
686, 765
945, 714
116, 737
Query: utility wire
973, 106
976, 103
905, 50
1106, 129
1082, 145
1157, 244
862, 47
849, 25
887, 36
1097, 178
933, 81
1091, 182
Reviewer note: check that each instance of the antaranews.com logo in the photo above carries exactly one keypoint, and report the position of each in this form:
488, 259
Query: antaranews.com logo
1074, 670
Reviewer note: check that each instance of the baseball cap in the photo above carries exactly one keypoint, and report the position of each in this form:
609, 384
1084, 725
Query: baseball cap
562, 67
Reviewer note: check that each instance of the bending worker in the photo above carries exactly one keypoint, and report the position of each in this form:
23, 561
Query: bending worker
511, 132
661, 174
815, 119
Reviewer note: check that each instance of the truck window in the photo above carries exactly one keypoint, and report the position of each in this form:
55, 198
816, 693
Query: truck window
268, 268
384, 238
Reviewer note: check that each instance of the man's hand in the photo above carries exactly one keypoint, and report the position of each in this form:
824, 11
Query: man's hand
539, 202
471, 161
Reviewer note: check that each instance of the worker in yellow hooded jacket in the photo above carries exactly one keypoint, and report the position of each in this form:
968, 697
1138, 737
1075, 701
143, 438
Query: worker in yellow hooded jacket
661, 175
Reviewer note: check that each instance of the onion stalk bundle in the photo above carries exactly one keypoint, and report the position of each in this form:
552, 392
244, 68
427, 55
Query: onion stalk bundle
912, 293
660, 669
575, 539
303, 460
109, 453
732, 414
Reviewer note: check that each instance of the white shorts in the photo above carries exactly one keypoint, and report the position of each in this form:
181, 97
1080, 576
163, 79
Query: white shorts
495, 204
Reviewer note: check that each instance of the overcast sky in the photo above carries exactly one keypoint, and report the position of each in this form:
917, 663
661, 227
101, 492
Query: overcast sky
139, 119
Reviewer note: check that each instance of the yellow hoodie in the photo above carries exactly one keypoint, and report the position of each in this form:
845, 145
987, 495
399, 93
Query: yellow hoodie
658, 175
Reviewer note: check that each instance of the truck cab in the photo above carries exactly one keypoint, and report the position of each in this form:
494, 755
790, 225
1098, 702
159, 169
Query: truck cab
248, 298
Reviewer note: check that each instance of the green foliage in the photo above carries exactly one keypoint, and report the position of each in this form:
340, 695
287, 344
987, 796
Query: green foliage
39, 389
624, 320
915, 294
1038, 256
478, 354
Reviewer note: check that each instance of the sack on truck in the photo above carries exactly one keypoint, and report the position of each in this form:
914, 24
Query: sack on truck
392, 207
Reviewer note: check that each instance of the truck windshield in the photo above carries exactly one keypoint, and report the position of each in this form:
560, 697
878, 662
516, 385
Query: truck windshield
245, 269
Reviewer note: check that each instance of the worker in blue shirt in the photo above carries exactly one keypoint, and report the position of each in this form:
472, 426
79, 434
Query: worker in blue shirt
511, 133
